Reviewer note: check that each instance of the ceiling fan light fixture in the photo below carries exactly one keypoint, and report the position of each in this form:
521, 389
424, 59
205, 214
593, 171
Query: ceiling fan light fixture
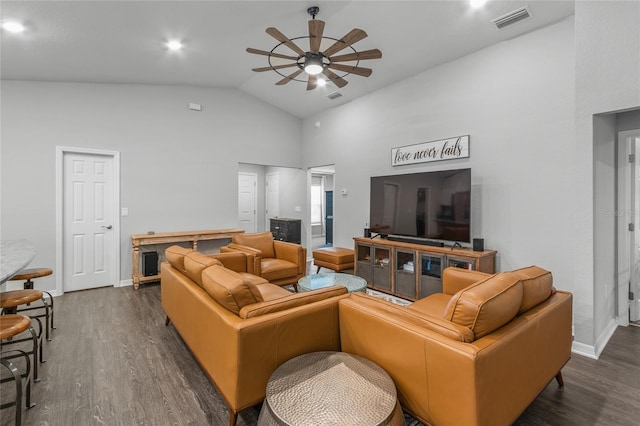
317, 60
313, 64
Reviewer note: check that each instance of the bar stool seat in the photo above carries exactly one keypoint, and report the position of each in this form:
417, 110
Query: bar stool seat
9, 302
28, 275
10, 326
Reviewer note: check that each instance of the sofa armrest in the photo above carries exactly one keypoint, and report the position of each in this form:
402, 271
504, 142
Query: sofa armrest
235, 260
254, 256
455, 279
293, 253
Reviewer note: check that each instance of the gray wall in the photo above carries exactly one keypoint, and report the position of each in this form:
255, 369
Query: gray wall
515, 100
178, 167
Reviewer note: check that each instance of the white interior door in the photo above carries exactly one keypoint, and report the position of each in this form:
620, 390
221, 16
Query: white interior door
89, 258
634, 285
247, 201
272, 199
628, 223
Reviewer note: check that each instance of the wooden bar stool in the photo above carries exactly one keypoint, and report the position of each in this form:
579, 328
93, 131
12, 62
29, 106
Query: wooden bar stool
27, 275
11, 326
9, 302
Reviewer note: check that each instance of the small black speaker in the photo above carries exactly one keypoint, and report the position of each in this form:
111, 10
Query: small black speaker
367, 233
478, 244
149, 263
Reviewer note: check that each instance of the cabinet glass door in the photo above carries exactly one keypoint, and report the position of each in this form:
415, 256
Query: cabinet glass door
364, 264
405, 270
381, 267
430, 275
461, 263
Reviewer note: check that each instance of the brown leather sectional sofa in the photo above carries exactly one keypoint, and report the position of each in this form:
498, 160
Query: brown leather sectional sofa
477, 354
238, 326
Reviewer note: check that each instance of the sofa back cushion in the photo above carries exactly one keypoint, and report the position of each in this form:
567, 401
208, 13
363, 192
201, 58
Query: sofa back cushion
486, 305
537, 286
262, 241
229, 289
195, 263
296, 299
175, 256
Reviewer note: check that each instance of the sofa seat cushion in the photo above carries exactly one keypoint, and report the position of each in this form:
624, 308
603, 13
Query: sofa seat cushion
262, 241
486, 305
435, 305
292, 301
252, 279
175, 256
537, 286
275, 269
272, 292
195, 263
229, 289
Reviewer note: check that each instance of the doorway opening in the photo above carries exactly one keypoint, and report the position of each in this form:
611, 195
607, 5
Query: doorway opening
321, 208
628, 231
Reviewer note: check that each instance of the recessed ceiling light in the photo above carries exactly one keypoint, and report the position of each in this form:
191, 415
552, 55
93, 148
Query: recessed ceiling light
477, 3
174, 45
321, 82
13, 26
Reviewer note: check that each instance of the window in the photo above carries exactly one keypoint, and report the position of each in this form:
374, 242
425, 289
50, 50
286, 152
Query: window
316, 200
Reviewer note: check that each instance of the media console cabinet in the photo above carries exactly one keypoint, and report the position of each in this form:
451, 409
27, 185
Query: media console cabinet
138, 240
413, 271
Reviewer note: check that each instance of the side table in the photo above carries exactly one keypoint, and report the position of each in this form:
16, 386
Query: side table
330, 388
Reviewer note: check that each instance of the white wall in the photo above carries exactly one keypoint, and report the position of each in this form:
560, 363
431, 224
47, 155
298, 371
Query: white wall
607, 68
178, 167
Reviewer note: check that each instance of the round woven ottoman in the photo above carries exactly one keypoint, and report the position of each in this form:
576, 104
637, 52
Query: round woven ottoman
330, 388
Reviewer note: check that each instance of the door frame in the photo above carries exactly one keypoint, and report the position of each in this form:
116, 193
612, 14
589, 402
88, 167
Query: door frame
115, 156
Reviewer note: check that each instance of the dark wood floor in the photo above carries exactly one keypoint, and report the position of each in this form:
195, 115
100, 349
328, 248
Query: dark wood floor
113, 362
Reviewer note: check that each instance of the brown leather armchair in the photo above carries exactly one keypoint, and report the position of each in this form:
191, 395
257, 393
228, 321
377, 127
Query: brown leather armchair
278, 262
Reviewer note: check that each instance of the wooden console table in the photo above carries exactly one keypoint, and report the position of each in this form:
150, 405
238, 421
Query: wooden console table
138, 240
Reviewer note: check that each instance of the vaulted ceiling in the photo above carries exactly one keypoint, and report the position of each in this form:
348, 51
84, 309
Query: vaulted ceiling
123, 41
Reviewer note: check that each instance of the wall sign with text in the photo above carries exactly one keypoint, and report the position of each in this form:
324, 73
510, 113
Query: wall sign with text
444, 149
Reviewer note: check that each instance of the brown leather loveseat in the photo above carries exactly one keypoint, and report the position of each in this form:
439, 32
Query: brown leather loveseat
477, 354
238, 326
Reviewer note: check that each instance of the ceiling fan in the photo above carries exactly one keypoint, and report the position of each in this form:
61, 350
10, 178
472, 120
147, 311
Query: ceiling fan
315, 61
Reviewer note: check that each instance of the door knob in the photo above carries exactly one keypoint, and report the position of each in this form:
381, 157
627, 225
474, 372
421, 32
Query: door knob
106, 227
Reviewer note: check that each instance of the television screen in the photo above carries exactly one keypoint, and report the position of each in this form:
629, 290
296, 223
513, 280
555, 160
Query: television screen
430, 205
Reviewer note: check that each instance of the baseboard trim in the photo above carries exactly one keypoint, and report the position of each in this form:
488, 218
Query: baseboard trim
595, 350
125, 283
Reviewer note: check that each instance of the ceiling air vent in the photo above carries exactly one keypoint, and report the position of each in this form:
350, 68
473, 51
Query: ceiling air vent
334, 95
512, 17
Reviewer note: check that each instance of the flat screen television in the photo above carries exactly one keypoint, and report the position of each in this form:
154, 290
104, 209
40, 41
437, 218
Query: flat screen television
428, 205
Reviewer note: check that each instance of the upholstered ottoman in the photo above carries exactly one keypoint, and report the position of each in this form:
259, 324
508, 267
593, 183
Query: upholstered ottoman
336, 258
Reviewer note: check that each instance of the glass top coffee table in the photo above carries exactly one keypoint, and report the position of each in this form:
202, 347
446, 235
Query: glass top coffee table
353, 283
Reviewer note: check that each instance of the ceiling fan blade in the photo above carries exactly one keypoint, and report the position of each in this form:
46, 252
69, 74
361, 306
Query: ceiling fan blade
312, 82
284, 39
275, 67
316, 28
275, 55
353, 36
365, 72
288, 78
358, 56
331, 76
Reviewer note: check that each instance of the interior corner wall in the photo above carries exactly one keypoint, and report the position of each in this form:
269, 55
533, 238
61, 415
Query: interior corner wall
178, 167
516, 101
607, 43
